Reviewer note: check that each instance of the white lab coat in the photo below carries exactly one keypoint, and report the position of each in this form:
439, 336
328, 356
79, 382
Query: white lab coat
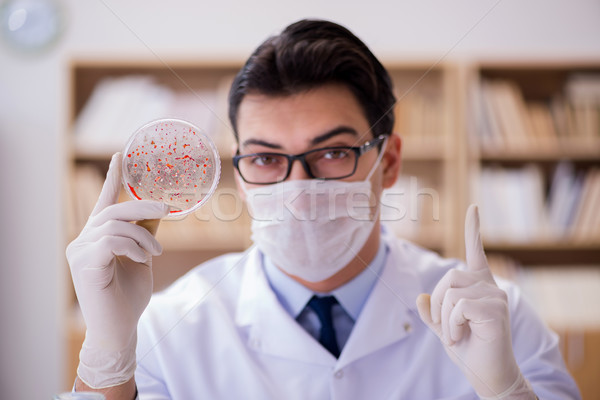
219, 332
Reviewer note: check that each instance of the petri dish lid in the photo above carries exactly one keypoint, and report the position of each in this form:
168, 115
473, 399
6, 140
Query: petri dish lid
171, 161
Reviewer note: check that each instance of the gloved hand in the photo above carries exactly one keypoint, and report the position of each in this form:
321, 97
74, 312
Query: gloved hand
470, 315
111, 268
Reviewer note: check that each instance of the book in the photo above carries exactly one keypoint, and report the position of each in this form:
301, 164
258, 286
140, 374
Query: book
563, 295
512, 203
119, 106
586, 219
543, 128
506, 115
507, 121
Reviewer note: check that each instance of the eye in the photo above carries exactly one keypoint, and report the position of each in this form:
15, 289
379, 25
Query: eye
335, 154
264, 160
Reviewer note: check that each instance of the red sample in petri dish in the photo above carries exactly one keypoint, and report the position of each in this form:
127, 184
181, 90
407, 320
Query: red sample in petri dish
171, 161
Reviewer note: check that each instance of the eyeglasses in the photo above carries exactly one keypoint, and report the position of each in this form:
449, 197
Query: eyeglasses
336, 162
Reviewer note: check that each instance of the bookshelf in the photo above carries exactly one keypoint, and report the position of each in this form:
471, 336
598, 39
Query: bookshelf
109, 99
426, 113
551, 163
533, 146
197, 91
439, 117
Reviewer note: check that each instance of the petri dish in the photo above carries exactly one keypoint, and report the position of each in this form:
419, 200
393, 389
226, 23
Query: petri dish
171, 161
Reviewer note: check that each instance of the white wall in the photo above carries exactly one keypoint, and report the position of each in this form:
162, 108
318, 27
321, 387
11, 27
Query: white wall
33, 110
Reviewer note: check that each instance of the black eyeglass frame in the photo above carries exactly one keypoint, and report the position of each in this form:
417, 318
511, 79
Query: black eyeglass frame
358, 150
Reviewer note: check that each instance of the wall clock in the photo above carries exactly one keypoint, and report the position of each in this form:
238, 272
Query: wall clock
30, 25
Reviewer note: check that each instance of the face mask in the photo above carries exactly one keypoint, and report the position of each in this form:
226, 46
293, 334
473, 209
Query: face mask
312, 228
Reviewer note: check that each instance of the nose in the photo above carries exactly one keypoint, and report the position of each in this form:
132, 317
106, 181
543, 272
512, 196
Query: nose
298, 172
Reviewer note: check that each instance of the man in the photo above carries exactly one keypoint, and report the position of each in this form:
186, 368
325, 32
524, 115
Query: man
326, 305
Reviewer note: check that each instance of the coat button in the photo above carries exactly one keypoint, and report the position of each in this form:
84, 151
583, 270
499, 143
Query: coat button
339, 374
407, 327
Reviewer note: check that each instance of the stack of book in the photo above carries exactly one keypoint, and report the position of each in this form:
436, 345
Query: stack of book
412, 209
420, 118
506, 121
515, 207
562, 294
118, 106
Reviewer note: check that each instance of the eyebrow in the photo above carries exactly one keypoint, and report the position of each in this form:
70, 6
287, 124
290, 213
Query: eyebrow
340, 130
260, 142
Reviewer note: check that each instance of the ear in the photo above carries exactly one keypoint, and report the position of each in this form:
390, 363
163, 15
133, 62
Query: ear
391, 160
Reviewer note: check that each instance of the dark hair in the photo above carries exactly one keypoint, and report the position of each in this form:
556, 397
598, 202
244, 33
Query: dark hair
310, 53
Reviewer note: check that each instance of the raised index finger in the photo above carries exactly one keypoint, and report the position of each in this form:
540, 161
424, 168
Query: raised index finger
475, 254
112, 185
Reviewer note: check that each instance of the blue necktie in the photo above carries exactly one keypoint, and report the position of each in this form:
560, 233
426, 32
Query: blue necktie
322, 307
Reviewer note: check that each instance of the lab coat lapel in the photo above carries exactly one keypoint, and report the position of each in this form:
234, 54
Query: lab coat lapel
390, 311
271, 330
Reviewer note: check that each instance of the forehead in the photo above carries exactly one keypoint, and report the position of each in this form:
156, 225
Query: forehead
292, 121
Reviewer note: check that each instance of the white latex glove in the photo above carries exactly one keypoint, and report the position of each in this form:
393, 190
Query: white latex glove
470, 315
110, 264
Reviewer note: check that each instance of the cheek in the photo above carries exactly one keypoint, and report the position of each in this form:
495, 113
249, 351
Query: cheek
240, 185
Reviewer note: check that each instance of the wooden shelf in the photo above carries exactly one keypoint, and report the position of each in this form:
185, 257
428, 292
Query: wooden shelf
548, 252
548, 245
100, 155
423, 149
575, 150
433, 118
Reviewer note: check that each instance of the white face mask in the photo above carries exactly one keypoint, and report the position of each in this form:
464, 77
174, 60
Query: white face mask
312, 228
